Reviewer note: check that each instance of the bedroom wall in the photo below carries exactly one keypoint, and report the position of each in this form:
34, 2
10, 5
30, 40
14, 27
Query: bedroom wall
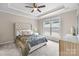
78, 19
68, 20
7, 28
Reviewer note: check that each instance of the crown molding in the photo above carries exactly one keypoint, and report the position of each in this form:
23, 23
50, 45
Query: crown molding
9, 6
18, 14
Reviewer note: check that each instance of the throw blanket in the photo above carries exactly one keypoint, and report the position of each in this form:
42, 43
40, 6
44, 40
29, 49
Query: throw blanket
22, 43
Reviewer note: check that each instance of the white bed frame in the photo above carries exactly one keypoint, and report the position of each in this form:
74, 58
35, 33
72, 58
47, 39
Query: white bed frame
37, 47
25, 26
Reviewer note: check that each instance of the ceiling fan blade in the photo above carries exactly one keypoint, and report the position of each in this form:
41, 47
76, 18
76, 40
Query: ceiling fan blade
32, 11
38, 10
41, 6
28, 6
34, 5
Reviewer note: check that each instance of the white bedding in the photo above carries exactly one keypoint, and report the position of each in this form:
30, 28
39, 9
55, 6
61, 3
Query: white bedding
36, 47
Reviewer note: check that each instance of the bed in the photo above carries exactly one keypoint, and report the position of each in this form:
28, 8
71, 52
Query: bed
33, 40
36, 41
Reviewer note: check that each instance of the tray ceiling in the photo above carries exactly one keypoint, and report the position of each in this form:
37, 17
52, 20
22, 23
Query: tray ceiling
19, 8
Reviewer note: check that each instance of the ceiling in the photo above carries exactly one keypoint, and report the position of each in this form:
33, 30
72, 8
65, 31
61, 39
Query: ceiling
20, 9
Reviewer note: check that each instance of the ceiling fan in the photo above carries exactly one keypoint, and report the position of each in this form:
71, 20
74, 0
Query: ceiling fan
35, 7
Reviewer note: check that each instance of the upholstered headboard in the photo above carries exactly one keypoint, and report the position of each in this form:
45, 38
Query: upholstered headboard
22, 26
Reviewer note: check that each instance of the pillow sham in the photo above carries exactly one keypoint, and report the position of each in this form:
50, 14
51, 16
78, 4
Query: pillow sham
26, 32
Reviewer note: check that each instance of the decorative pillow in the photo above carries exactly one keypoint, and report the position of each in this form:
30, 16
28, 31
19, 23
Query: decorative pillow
18, 33
26, 32
36, 34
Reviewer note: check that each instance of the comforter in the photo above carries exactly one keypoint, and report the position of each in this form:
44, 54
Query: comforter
36, 39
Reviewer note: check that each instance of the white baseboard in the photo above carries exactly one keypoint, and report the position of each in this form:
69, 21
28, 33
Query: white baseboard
1, 43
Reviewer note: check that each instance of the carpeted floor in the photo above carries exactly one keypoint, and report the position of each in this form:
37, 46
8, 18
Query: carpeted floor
51, 49
9, 50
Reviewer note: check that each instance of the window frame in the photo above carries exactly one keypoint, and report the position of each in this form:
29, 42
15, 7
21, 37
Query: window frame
52, 19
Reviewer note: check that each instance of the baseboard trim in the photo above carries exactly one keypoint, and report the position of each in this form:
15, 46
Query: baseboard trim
6, 42
54, 41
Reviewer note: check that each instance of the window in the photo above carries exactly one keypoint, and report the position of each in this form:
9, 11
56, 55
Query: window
52, 27
46, 28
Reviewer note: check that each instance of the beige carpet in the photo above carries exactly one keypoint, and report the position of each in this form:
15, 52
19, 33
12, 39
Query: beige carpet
51, 49
9, 50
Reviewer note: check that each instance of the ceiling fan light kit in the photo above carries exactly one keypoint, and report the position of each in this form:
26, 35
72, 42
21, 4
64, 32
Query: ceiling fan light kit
35, 9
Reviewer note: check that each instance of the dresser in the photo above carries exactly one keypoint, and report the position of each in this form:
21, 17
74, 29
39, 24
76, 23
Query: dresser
69, 47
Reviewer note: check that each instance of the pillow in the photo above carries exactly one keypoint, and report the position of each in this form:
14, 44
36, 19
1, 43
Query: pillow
36, 33
18, 33
26, 32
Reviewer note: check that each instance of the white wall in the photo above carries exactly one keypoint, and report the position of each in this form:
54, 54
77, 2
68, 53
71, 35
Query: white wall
7, 27
68, 20
78, 20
